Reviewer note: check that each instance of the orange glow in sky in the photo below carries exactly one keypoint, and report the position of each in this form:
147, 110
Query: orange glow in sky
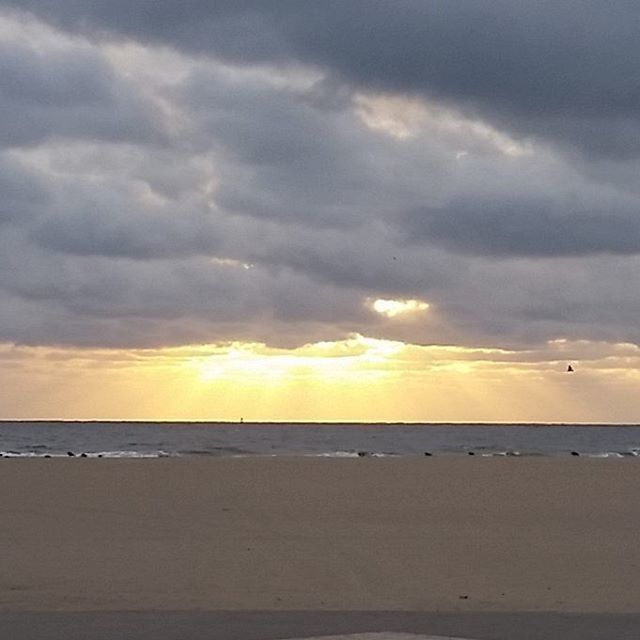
358, 379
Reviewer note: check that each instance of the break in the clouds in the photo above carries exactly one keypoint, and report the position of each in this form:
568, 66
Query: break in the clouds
193, 172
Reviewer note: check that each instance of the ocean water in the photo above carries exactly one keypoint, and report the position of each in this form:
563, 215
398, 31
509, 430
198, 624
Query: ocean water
159, 439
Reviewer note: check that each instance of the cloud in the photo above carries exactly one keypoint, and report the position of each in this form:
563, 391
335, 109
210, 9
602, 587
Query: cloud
564, 72
206, 172
23, 194
530, 225
121, 219
66, 88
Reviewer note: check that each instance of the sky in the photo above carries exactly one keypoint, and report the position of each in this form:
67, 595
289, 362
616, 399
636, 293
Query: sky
374, 210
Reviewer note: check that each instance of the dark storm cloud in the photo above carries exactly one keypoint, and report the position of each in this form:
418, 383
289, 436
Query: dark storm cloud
368, 260
530, 226
566, 72
23, 194
70, 91
70, 299
109, 220
114, 217
518, 302
282, 156
288, 159
313, 157
91, 233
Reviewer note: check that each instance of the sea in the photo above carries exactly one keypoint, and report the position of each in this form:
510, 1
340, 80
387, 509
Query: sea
28, 439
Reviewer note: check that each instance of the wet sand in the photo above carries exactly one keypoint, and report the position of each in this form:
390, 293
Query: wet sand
276, 625
414, 534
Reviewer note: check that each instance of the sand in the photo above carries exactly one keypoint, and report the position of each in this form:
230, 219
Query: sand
414, 534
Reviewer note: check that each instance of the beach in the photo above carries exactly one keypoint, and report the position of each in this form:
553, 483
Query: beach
240, 534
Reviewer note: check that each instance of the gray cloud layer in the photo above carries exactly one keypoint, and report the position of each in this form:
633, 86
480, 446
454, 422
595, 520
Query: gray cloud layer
178, 172
73, 92
563, 71
539, 225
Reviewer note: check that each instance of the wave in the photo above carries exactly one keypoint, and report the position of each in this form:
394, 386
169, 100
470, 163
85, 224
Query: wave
216, 451
231, 452
87, 454
333, 454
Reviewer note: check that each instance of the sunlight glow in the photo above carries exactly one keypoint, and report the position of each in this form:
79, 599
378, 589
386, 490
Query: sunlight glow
230, 262
407, 118
393, 308
322, 360
358, 378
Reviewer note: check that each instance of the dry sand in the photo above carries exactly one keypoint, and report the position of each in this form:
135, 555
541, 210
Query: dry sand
421, 534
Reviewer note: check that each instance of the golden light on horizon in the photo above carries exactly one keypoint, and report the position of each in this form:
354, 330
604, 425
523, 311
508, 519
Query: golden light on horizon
356, 379
322, 360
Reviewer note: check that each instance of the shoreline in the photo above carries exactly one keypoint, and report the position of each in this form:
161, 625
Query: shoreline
451, 534
111, 440
337, 455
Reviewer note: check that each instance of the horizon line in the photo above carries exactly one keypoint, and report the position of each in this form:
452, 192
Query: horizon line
505, 423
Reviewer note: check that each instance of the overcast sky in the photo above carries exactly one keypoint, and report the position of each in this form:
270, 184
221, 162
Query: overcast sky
184, 172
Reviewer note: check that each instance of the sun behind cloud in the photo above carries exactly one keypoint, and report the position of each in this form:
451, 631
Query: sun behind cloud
393, 308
